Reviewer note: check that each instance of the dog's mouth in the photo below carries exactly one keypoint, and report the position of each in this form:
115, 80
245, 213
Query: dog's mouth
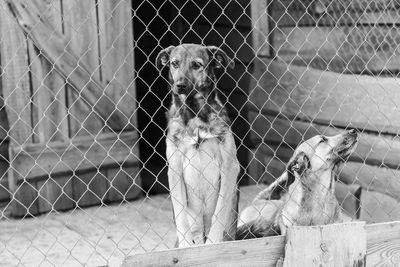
346, 146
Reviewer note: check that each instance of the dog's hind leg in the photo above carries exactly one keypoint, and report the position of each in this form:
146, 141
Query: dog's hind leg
224, 219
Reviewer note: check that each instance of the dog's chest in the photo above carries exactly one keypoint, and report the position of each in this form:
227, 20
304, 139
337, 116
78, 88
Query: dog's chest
201, 167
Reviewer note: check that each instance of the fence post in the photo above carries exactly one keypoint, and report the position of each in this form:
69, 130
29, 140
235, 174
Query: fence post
342, 244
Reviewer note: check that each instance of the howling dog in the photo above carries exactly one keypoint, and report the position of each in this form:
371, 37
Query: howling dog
201, 151
304, 194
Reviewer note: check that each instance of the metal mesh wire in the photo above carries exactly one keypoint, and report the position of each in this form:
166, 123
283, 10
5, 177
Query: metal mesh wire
83, 125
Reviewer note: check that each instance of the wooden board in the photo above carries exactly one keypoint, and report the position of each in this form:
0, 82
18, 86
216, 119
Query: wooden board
82, 153
372, 178
261, 28
354, 101
377, 207
16, 92
54, 46
380, 150
361, 49
331, 245
117, 56
49, 111
256, 252
381, 242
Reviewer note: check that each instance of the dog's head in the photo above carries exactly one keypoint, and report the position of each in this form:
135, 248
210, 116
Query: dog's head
319, 153
326, 151
191, 67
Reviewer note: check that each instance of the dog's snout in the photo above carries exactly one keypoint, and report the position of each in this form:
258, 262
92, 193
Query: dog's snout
352, 132
181, 87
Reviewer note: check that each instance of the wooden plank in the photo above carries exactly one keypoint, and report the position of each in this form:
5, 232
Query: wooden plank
380, 150
81, 32
366, 49
90, 188
372, 178
117, 58
54, 46
377, 207
125, 184
325, 97
333, 245
261, 28
81, 153
383, 244
16, 92
49, 111
255, 252
55, 194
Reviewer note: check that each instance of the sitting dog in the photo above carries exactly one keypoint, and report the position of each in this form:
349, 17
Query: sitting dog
304, 193
201, 151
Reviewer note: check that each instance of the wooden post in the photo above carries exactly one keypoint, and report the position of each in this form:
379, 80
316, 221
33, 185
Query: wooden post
261, 28
328, 245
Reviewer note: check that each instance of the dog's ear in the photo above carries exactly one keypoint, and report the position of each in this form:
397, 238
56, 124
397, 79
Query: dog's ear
220, 58
163, 57
299, 164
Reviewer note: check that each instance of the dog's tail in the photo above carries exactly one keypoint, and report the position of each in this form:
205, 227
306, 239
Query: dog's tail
256, 228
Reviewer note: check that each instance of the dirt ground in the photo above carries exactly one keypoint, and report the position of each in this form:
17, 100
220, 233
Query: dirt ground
96, 236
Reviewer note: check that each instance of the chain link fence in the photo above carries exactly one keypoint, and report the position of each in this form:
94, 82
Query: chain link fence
83, 125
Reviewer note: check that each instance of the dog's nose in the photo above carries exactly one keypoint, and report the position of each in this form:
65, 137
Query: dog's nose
353, 132
181, 87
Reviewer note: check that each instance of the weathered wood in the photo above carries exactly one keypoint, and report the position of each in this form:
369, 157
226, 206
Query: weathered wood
49, 110
55, 194
372, 178
348, 197
255, 252
81, 153
81, 32
328, 98
341, 49
90, 188
333, 245
125, 184
377, 207
261, 28
383, 244
16, 92
55, 47
372, 149
117, 57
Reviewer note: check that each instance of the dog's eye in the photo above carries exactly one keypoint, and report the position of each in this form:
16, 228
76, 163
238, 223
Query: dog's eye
323, 139
196, 65
175, 64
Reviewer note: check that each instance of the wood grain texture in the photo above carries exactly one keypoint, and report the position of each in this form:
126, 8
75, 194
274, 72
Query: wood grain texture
340, 49
256, 252
373, 149
377, 207
117, 58
333, 245
16, 91
90, 188
49, 111
55, 47
82, 153
381, 243
355, 101
81, 32
383, 247
261, 28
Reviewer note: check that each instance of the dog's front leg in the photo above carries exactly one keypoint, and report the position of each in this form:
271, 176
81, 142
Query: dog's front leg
224, 219
178, 193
